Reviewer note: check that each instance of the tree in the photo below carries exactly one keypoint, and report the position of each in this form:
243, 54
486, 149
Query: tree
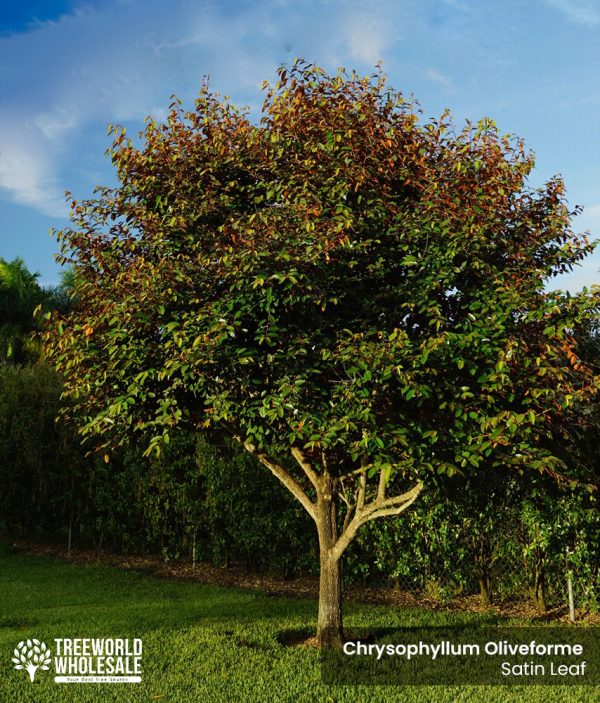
20, 295
350, 293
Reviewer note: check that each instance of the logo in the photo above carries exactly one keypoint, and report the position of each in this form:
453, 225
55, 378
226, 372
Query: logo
83, 659
31, 655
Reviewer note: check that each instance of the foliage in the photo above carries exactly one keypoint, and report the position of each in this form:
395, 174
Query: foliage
20, 295
186, 499
250, 519
132, 505
349, 281
425, 549
169, 505
563, 529
38, 459
356, 296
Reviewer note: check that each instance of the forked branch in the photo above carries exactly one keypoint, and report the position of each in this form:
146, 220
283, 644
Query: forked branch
286, 478
370, 511
302, 459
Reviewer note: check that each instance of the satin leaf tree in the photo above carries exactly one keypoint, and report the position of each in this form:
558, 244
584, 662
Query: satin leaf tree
354, 295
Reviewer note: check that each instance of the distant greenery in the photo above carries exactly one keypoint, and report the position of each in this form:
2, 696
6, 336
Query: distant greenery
40, 461
213, 501
204, 643
20, 295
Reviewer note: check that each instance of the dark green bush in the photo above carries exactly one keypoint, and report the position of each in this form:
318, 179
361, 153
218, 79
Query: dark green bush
212, 501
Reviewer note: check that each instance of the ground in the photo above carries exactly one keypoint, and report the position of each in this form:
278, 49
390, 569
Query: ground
302, 586
203, 642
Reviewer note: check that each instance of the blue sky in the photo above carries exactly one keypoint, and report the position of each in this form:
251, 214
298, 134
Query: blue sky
70, 67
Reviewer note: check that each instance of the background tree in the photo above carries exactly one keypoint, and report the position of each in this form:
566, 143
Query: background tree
39, 461
20, 295
349, 293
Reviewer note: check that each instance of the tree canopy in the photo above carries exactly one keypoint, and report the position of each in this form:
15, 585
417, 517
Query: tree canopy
20, 295
356, 295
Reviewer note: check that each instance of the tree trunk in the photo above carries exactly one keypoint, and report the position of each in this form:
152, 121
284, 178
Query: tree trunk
486, 585
539, 585
485, 590
329, 626
323, 511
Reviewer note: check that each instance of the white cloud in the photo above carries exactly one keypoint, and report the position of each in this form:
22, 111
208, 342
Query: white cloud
122, 60
28, 176
365, 36
586, 12
56, 124
438, 77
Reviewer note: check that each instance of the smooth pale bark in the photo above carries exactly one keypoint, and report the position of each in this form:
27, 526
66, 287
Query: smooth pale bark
333, 541
330, 631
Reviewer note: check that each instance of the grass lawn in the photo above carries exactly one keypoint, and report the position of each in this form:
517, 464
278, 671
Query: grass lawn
200, 643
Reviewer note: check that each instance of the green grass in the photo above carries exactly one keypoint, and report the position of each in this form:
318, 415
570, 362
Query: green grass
201, 643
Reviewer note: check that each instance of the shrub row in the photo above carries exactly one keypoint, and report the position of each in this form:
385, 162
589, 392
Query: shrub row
212, 502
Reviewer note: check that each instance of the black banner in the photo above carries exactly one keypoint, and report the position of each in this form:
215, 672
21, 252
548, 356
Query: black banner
465, 655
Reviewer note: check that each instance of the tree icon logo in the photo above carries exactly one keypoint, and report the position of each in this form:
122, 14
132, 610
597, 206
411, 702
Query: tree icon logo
31, 655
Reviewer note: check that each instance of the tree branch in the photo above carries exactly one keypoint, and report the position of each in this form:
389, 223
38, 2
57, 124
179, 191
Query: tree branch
362, 491
376, 508
376, 505
287, 479
382, 482
351, 506
300, 457
347, 517
393, 511
354, 472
